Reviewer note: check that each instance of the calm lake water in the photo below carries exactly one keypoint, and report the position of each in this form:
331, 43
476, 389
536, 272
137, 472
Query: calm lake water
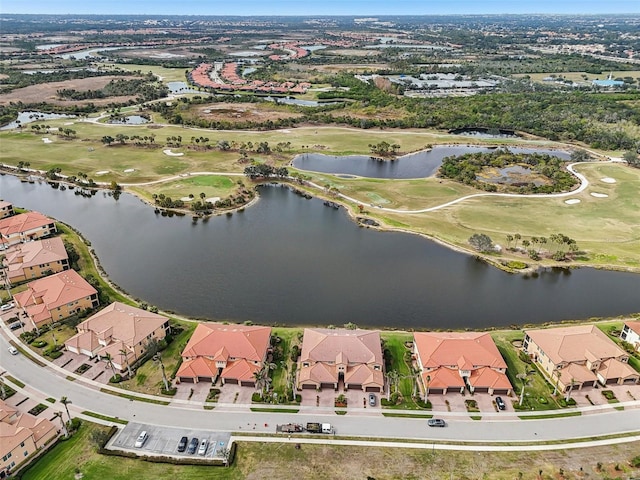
293, 261
415, 165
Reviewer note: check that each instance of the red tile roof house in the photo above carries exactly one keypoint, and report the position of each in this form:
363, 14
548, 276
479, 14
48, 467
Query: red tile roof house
25, 227
31, 260
330, 358
631, 334
56, 297
235, 353
115, 329
453, 361
573, 357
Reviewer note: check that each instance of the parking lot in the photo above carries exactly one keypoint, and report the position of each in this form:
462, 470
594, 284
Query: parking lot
163, 441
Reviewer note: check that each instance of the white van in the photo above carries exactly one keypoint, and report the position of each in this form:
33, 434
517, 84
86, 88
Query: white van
141, 439
203, 447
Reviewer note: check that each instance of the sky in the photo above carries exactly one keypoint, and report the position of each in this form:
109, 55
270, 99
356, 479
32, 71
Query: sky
323, 7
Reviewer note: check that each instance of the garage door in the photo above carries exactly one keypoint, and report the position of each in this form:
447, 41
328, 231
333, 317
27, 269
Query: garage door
308, 386
436, 391
481, 390
327, 385
205, 379
247, 384
186, 379
373, 389
500, 391
231, 381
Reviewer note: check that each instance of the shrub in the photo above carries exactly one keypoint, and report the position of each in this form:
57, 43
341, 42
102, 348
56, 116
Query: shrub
635, 462
171, 391
609, 395
74, 424
257, 397
39, 343
55, 354
117, 378
422, 404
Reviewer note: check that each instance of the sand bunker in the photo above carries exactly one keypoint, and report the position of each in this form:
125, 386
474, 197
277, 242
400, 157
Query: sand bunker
599, 195
572, 201
129, 170
608, 180
186, 199
213, 199
102, 172
47, 140
172, 154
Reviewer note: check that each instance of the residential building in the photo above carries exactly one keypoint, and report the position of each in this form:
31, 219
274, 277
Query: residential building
631, 333
233, 353
31, 260
341, 359
56, 297
455, 361
119, 331
6, 209
573, 357
21, 435
25, 227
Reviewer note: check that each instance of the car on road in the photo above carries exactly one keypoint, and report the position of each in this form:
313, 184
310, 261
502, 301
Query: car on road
7, 306
142, 438
436, 422
16, 326
203, 447
372, 400
500, 403
193, 445
182, 444
13, 350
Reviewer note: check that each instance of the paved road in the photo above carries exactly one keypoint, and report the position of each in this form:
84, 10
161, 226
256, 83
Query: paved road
499, 428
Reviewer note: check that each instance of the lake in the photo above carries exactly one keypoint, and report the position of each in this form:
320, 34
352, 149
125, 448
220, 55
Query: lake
414, 165
293, 261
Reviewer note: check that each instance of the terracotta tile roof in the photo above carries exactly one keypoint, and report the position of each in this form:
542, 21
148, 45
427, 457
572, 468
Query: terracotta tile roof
318, 373
6, 411
580, 373
443, 377
489, 378
575, 344
326, 345
241, 370
241, 341
84, 341
55, 290
198, 367
464, 350
39, 427
23, 222
613, 368
363, 375
11, 436
120, 322
31, 254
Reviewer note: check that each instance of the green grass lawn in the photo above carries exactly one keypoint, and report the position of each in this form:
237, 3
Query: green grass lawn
288, 338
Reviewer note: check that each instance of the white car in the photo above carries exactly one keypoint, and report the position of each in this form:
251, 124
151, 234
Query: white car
13, 350
141, 439
7, 306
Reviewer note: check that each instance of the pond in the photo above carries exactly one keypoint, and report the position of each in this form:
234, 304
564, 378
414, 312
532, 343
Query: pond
293, 261
484, 132
130, 120
32, 116
415, 165
180, 87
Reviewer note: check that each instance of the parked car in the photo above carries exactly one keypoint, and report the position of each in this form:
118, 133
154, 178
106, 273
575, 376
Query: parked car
193, 445
7, 306
182, 444
16, 326
13, 350
500, 403
203, 447
436, 422
142, 438
372, 400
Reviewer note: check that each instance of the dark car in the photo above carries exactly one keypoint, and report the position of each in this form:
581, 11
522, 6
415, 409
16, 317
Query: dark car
372, 400
193, 445
16, 326
500, 403
436, 422
182, 444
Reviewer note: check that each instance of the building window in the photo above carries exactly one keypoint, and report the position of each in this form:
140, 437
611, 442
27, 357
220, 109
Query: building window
22, 444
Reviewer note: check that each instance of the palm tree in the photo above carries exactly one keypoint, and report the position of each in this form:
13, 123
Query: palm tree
509, 240
124, 352
543, 241
158, 359
107, 358
64, 427
568, 397
517, 237
259, 379
65, 401
426, 390
203, 196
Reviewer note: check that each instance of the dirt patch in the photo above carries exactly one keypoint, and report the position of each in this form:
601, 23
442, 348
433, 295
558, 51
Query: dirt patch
233, 112
351, 67
46, 92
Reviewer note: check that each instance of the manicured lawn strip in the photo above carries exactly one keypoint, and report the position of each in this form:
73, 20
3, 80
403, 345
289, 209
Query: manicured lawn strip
275, 410
15, 381
79, 452
406, 415
133, 397
105, 417
289, 337
553, 415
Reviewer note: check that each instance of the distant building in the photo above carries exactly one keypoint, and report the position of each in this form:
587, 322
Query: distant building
631, 333
609, 82
56, 297
31, 260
